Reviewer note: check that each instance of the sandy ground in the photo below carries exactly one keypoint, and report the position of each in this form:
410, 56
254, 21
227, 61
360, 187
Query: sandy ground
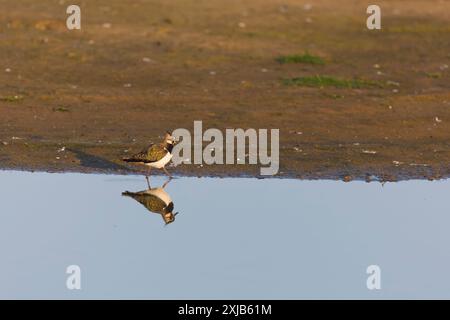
137, 69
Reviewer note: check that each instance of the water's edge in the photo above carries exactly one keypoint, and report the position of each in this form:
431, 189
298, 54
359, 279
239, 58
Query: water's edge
185, 172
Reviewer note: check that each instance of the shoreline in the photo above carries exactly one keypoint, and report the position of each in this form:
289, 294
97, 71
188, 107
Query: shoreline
205, 172
345, 107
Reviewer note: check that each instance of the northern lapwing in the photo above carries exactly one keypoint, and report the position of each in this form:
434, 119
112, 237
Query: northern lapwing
156, 200
155, 155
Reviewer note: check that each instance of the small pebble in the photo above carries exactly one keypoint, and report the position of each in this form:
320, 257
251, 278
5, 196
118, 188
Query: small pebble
347, 178
393, 83
283, 9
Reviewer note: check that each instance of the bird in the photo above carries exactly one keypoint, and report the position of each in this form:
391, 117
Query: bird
156, 200
155, 155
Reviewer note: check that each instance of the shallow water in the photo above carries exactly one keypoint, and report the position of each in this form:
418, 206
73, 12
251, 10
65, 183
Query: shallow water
233, 238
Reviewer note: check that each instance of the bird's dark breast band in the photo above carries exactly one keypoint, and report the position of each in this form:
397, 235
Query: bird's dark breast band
169, 147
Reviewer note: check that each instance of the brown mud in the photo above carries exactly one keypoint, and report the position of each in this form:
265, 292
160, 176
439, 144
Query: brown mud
137, 69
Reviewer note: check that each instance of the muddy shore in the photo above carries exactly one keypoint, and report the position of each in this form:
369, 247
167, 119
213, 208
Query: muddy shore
81, 100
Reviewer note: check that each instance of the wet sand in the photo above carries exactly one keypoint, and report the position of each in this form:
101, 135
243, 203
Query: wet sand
137, 70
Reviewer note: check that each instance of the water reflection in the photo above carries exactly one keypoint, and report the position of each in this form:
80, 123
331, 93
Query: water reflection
156, 200
243, 238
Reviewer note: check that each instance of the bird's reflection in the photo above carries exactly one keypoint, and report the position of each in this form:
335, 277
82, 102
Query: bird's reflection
156, 200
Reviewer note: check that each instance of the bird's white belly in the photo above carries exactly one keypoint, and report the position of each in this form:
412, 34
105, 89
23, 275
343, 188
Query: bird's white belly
161, 194
161, 163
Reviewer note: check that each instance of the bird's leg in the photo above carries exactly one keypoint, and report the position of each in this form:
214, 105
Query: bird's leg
167, 182
146, 177
167, 172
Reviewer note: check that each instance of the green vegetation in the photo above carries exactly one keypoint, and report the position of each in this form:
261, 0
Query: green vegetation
61, 109
434, 75
304, 58
333, 96
327, 81
11, 98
